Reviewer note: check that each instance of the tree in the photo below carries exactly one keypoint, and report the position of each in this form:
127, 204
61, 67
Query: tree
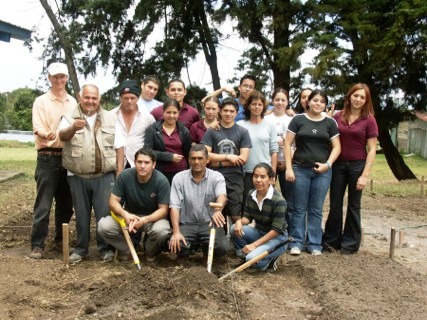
19, 110
66, 45
279, 31
116, 32
375, 42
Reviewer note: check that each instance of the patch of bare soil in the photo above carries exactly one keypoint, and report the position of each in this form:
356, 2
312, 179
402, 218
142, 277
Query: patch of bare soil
367, 285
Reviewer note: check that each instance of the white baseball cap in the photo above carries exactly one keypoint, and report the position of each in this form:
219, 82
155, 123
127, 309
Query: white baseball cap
57, 68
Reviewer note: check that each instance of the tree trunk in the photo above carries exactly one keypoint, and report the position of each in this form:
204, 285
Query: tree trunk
207, 42
68, 50
395, 161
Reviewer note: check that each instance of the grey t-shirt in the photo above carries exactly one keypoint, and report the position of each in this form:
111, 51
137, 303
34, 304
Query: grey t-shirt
228, 141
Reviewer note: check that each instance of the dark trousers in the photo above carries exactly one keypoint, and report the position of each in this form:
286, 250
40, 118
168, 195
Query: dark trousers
88, 194
51, 181
198, 235
344, 174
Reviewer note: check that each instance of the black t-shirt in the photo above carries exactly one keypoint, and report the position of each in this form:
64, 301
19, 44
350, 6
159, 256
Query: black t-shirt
312, 139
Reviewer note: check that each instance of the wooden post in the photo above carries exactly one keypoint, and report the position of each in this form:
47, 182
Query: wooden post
65, 243
422, 186
371, 187
362, 240
400, 238
392, 242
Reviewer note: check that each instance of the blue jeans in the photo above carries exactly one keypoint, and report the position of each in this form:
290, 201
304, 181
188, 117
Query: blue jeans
51, 180
344, 174
310, 190
250, 236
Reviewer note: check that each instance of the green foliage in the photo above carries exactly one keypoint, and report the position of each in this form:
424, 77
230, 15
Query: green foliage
381, 43
109, 33
3, 107
16, 108
278, 31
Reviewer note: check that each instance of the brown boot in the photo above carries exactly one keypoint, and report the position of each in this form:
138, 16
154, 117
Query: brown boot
36, 253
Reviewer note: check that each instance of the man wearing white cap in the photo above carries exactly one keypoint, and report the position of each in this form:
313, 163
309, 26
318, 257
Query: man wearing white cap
50, 176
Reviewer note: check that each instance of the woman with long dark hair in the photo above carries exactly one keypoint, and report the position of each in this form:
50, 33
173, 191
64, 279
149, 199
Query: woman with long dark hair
170, 141
358, 134
317, 143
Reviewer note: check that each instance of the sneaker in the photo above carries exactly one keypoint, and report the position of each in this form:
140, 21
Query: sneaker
36, 253
75, 258
108, 256
295, 251
316, 252
273, 263
125, 257
152, 259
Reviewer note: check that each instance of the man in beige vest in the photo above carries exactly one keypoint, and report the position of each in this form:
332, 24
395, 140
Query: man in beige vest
92, 153
50, 176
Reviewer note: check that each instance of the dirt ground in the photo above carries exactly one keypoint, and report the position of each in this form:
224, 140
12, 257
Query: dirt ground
367, 285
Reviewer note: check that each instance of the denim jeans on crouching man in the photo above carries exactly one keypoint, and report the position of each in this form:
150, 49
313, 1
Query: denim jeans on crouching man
310, 190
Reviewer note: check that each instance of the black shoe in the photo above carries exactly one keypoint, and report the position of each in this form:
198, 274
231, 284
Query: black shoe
273, 264
347, 252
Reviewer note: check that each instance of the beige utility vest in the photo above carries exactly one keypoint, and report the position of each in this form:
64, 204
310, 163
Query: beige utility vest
91, 153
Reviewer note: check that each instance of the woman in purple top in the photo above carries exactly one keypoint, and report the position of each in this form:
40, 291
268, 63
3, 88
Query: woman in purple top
210, 109
358, 133
170, 141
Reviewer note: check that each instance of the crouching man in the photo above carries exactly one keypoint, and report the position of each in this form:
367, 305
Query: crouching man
145, 193
191, 218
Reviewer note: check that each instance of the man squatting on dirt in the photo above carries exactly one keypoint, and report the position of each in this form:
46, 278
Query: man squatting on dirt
145, 192
192, 191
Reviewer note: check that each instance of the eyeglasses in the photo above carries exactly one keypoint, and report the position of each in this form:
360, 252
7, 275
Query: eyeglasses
247, 87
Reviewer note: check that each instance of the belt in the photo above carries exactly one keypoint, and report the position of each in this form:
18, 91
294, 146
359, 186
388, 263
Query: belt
50, 153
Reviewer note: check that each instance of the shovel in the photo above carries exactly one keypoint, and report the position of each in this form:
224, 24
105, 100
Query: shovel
125, 231
254, 260
212, 236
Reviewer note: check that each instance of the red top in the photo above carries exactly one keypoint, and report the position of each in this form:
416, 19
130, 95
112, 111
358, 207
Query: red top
197, 131
187, 115
354, 137
173, 144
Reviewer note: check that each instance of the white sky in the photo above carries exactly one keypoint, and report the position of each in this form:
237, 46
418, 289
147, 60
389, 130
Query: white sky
21, 68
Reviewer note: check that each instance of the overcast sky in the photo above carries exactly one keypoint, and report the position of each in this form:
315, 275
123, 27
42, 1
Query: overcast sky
21, 68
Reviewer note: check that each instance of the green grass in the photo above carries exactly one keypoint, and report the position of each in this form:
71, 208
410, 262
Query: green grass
17, 156
385, 183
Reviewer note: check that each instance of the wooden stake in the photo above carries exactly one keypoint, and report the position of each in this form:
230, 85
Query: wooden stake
422, 186
65, 243
400, 238
362, 240
392, 242
371, 187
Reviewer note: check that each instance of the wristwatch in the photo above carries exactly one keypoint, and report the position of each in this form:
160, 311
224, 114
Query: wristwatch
329, 164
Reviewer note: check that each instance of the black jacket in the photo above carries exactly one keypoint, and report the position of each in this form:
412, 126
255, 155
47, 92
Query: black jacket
154, 140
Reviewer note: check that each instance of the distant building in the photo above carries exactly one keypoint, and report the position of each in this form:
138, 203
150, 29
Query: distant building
8, 31
411, 135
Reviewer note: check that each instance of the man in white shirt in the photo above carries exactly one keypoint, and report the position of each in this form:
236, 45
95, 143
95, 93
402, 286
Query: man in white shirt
149, 89
131, 120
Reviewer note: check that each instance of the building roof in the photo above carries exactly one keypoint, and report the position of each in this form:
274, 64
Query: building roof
8, 31
421, 115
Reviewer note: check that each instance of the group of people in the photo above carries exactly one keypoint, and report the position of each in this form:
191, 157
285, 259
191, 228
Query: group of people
159, 166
